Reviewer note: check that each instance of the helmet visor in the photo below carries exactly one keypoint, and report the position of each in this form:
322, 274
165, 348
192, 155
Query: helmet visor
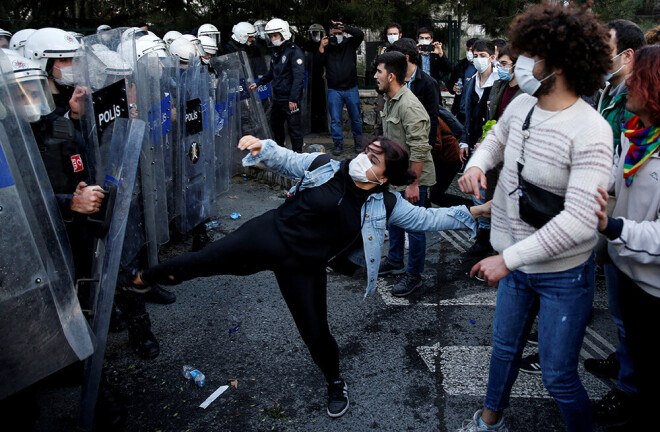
34, 96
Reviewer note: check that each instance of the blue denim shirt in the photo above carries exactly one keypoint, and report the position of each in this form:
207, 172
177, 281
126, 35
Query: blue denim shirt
374, 214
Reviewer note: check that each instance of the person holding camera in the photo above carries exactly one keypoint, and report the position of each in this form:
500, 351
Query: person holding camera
340, 60
432, 58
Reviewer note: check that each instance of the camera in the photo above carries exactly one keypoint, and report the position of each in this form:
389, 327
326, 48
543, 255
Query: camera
332, 40
427, 48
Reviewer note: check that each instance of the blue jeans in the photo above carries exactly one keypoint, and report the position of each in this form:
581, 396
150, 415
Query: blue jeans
416, 242
563, 300
626, 382
336, 101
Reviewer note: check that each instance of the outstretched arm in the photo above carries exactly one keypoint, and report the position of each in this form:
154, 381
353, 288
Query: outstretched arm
273, 156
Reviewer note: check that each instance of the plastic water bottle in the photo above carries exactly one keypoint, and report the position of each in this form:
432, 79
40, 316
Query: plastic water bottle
190, 372
213, 224
459, 86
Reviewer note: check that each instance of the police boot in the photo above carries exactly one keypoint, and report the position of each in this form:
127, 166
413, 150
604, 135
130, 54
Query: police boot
110, 412
117, 321
141, 338
482, 246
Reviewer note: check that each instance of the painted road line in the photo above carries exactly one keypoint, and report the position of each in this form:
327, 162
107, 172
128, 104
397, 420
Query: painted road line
460, 239
465, 373
484, 298
385, 291
593, 347
428, 355
601, 339
451, 240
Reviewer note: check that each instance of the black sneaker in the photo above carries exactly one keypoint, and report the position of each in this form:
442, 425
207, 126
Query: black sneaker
533, 338
407, 285
160, 295
337, 398
336, 150
603, 368
482, 246
614, 409
388, 266
531, 364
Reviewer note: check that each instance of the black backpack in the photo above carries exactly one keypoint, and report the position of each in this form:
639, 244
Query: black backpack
341, 263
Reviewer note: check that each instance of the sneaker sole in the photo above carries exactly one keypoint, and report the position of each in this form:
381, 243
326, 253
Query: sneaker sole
340, 413
407, 292
402, 270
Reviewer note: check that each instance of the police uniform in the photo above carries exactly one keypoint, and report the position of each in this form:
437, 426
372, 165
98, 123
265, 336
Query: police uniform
287, 73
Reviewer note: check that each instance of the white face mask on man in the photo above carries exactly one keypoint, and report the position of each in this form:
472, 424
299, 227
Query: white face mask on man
392, 38
469, 56
481, 64
358, 167
66, 73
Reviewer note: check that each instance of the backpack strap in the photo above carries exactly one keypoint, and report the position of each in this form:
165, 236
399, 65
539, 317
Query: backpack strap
318, 161
390, 202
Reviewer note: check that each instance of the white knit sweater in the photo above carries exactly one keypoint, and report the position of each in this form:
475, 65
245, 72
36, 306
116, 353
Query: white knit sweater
568, 153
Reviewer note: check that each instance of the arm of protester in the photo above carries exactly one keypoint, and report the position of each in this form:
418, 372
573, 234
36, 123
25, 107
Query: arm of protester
276, 157
415, 218
357, 35
639, 241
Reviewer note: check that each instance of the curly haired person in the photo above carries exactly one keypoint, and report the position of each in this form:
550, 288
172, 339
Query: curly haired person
554, 144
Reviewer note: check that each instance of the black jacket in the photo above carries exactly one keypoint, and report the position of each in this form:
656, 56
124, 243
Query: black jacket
341, 61
287, 72
440, 67
426, 90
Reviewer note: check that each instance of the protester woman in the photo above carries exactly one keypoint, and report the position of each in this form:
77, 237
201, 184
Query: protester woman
633, 230
337, 207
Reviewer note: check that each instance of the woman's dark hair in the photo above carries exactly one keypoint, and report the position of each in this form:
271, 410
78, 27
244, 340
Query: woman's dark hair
568, 38
644, 82
395, 63
405, 46
397, 161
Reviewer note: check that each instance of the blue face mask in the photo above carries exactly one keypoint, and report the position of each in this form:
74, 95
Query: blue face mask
504, 74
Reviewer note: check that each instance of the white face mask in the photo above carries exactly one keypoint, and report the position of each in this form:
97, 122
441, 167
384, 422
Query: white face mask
32, 112
67, 76
424, 42
277, 42
316, 38
481, 64
469, 56
358, 167
392, 38
340, 38
525, 75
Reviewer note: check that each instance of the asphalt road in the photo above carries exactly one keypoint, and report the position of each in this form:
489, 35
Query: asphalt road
413, 364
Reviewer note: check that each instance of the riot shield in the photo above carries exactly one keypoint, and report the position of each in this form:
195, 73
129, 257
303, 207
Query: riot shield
117, 165
224, 135
195, 186
42, 328
252, 118
169, 128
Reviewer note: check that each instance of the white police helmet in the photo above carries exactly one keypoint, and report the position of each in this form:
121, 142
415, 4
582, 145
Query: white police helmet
197, 43
28, 84
17, 41
102, 28
171, 35
211, 31
280, 26
148, 44
182, 49
209, 45
5, 37
260, 25
49, 42
242, 31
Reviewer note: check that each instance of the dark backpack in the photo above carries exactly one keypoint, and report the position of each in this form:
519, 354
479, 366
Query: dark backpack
341, 263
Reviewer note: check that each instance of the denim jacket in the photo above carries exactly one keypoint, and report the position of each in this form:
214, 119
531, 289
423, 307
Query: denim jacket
374, 214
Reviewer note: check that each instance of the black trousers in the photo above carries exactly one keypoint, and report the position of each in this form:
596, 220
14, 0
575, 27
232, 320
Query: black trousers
257, 246
639, 313
280, 114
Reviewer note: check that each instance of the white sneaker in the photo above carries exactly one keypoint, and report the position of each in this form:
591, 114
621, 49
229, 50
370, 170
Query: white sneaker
474, 425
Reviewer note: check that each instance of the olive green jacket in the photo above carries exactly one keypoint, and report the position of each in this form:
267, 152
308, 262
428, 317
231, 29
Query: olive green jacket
405, 121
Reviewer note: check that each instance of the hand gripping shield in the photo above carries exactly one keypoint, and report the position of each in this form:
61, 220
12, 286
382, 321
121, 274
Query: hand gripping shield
42, 328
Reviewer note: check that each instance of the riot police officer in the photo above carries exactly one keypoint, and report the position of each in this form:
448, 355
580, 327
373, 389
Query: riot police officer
287, 72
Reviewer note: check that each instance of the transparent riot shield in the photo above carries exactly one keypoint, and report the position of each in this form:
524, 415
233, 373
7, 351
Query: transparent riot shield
252, 118
196, 148
42, 328
169, 82
259, 65
117, 166
223, 132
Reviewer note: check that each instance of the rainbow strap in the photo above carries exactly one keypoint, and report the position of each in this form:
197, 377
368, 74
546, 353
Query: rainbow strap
643, 143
